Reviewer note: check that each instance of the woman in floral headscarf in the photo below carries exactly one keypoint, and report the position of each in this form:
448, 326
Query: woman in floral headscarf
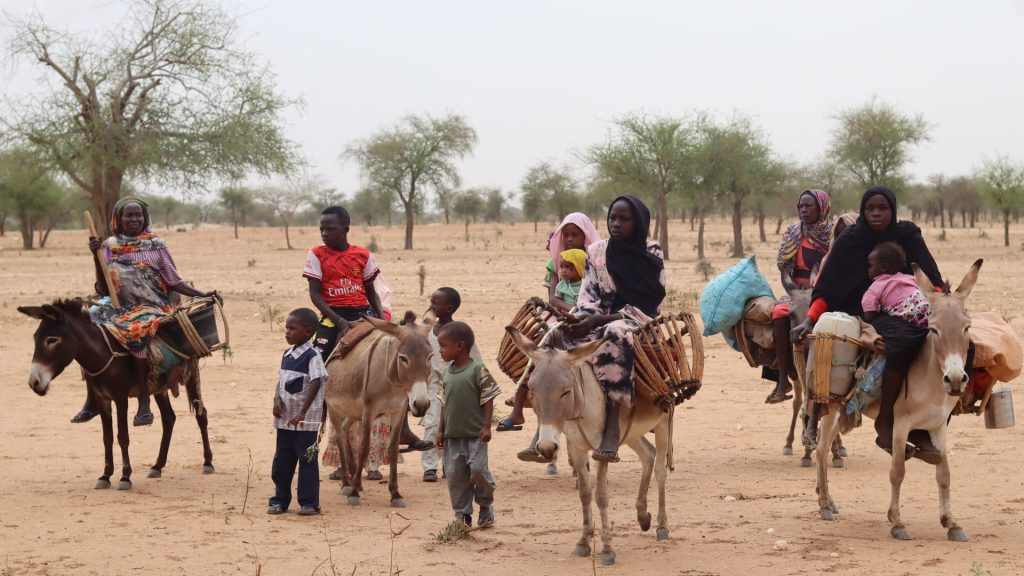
143, 274
804, 245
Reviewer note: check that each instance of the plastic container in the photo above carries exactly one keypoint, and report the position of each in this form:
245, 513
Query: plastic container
844, 354
203, 320
999, 410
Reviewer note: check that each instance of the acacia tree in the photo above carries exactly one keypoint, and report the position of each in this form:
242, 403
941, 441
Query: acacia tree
168, 92
369, 204
444, 198
873, 142
285, 201
651, 156
238, 200
1004, 182
468, 204
547, 188
29, 191
966, 196
494, 203
415, 155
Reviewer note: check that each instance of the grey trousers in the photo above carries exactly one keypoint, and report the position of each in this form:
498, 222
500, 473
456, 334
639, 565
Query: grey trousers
465, 466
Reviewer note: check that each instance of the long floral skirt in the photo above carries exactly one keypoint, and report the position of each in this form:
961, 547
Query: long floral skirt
380, 432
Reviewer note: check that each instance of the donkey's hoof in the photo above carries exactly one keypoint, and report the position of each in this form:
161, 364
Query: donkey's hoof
581, 551
957, 534
208, 469
787, 451
607, 558
805, 462
353, 500
102, 484
124, 485
901, 533
398, 503
346, 490
552, 469
838, 463
662, 534
842, 453
154, 473
644, 520
828, 514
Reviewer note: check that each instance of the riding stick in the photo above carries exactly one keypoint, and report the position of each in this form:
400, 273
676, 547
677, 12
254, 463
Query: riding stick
103, 263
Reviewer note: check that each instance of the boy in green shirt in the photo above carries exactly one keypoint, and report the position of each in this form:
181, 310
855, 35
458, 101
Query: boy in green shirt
465, 429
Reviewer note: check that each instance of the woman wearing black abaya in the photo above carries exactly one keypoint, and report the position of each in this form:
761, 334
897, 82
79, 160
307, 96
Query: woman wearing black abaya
622, 289
842, 283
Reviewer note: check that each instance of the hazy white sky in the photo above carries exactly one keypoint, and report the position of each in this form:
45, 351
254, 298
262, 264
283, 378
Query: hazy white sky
538, 80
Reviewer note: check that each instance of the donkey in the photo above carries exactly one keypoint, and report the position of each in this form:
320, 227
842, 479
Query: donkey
934, 384
563, 390
66, 333
381, 375
800, 303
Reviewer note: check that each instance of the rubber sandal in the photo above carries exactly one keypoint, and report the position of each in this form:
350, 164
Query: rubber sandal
336, 475
83, 416
533, 456
510, 402
609, 456
430, 475
775, 399
485, 519
374, 475
143, 419
275, 509
910, 450
506, 425
308, 511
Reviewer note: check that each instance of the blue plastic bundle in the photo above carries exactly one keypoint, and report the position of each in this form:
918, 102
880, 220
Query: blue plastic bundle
724, 298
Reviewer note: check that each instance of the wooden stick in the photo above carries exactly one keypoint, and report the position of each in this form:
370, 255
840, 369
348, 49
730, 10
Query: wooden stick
103, 263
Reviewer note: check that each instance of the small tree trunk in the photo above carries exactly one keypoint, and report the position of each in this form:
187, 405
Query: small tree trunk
410, 221
942, 212
3, 224
243, 218
663, 233
234, 220
760, 226
737, 228
27, 229
778, 225
974, 217
467, 229
446, 215
1006, 228
534, 226
693, 219
287, 237
700, 233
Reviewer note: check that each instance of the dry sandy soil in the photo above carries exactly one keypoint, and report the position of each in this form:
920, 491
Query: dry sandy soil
728, 443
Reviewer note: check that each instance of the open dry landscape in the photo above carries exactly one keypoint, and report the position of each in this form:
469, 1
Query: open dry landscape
728, 442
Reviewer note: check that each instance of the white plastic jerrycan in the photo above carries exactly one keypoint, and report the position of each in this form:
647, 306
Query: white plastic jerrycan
844, 354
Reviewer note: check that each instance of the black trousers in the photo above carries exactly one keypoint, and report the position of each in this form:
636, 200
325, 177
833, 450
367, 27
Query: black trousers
291, 450
327, 336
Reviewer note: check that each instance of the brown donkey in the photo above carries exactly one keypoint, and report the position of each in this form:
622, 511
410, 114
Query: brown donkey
567, 399
65, 333
936, 379
381, 375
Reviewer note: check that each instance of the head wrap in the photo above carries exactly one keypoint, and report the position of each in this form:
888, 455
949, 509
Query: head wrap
581, 221
576, 257
819, 233
119, 243
844, 280
635, 271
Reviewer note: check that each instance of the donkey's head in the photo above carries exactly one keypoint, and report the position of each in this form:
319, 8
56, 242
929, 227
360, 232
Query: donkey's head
948, 326
412, 363
800, 298
56, 343
555, 389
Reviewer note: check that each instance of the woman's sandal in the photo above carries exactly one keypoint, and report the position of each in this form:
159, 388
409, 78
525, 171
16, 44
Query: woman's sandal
506, 425
510, 402
774, 398
374, 475
610, 456
336, 475
910, 450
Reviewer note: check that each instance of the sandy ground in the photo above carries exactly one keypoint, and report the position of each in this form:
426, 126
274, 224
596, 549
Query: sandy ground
728, 443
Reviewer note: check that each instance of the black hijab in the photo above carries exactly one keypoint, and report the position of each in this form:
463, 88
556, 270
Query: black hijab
844, 280
635, 271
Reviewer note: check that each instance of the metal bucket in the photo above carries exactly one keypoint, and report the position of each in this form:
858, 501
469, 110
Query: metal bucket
999, 410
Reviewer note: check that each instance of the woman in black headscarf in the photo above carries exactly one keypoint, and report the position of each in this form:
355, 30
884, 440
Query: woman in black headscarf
841, 286
623, 288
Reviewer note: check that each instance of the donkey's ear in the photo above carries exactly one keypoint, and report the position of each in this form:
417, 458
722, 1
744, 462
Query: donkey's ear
967, 284
382, 325
585, 351
923, 282
787, 283
37, 312
521, 342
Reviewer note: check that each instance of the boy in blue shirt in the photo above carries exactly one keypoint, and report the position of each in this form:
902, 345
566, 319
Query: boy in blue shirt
298, 412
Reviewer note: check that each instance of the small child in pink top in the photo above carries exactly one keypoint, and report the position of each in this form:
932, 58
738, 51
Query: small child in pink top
892, 291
